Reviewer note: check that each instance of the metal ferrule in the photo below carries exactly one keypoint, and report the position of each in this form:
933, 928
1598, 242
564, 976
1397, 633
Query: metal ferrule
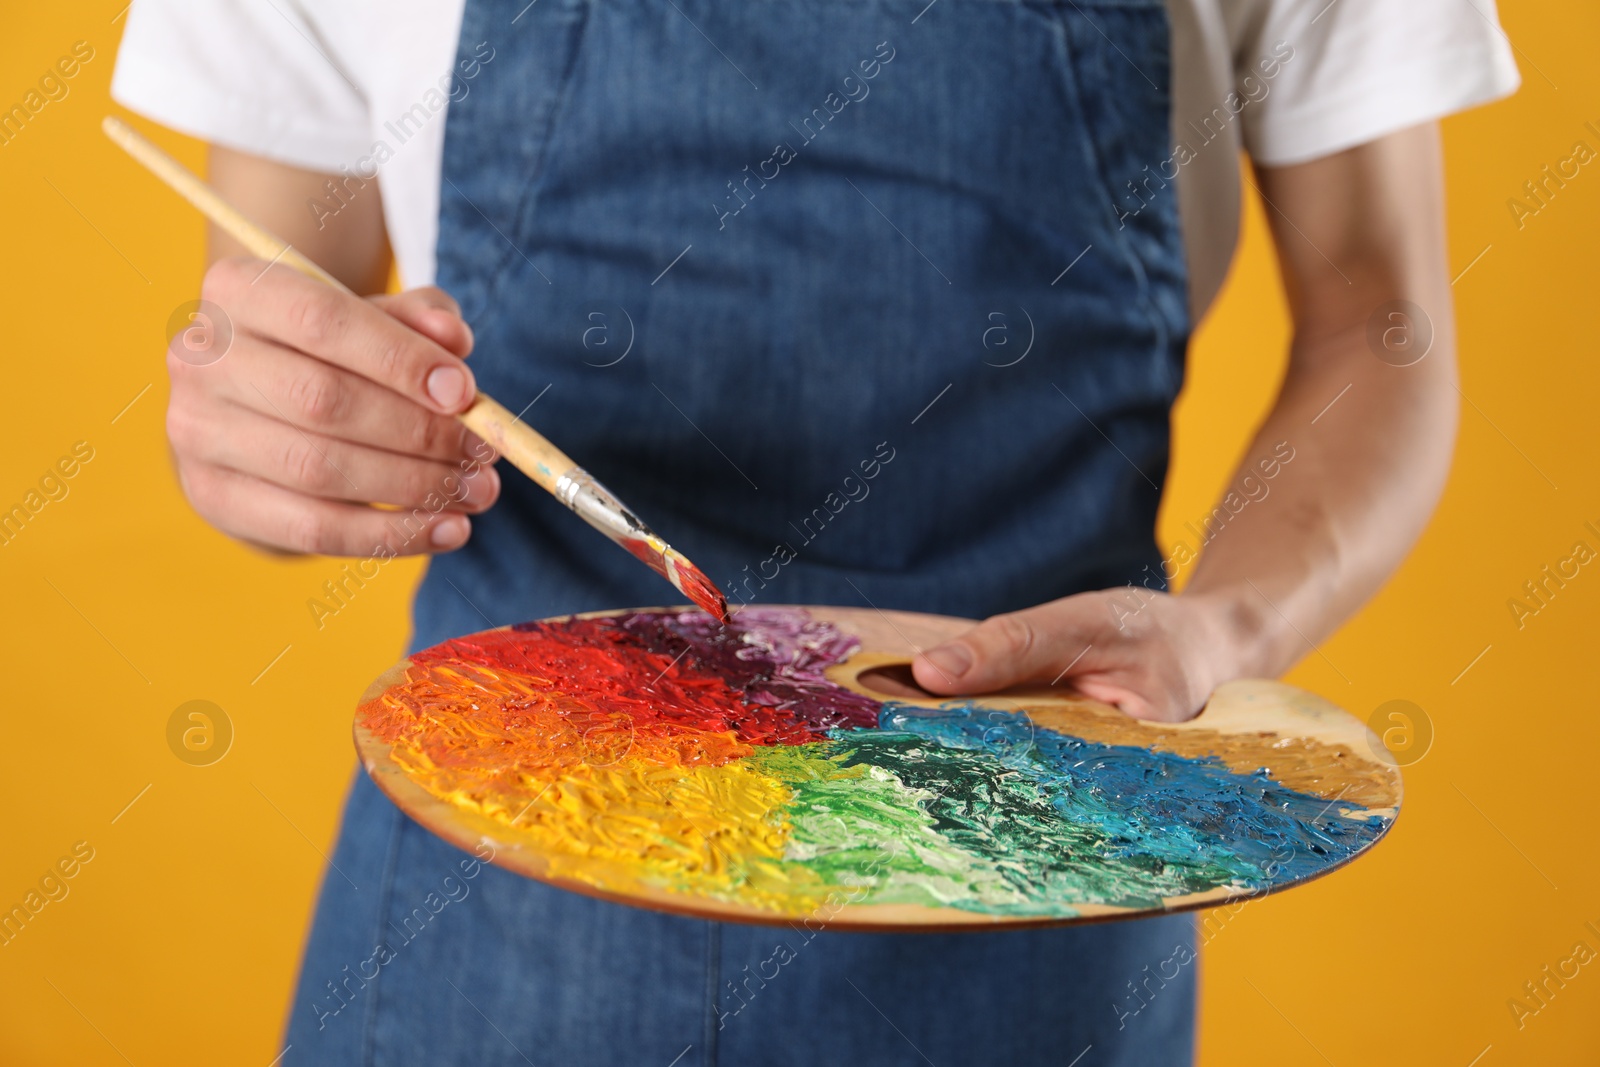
568, 484
597, 506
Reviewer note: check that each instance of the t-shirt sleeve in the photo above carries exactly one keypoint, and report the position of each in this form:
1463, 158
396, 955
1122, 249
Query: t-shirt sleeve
1356, 70
248, 74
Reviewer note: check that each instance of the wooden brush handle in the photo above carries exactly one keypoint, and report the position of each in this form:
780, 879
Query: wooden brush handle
525, 448
184, 182
508, 435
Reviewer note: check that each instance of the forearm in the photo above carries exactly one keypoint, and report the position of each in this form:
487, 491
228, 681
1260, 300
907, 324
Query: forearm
341, 230
1371, 446
1369, 403
1355, 451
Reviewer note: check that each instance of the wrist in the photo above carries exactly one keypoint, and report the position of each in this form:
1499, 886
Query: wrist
1239, 631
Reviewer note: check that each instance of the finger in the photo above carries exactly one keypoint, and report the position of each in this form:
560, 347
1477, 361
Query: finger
285, 306
1005, 650
294, 388
1132, 701
267, 514
433, 313
327, 467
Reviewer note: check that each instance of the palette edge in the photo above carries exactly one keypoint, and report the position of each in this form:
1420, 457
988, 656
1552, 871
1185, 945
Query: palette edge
471, 830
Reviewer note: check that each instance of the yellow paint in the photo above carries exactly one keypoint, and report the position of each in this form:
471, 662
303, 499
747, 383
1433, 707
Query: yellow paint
662, 806
180, 939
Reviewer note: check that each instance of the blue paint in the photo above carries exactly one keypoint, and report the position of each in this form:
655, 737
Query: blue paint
1112, 824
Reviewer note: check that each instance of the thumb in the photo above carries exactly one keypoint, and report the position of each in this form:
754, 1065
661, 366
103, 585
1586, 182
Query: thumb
1001, 651
433, 313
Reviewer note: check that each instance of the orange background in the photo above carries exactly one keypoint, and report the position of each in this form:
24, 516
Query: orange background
178, 941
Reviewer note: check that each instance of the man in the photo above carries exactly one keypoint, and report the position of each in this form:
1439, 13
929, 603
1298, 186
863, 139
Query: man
725, 253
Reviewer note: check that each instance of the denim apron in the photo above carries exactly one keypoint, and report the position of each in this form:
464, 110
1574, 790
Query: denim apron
856, 302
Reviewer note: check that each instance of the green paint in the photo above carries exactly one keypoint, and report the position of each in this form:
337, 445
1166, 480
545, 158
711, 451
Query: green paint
896, 819
862, 829
1008, 818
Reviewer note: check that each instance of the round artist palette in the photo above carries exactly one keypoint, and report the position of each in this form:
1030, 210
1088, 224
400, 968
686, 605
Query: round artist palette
783, 769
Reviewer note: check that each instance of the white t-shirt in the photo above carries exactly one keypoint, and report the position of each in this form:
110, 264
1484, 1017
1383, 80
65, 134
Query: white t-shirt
318, 84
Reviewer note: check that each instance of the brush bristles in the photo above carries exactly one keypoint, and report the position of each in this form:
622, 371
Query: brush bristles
694, 584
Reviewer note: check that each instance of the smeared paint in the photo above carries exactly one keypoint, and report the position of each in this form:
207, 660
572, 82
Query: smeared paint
774, 657
697, 586
676, 568
599, 507
1107, 824
664, 750
1301, 763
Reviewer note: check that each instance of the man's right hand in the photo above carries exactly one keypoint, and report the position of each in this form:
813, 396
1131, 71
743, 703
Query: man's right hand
323, 405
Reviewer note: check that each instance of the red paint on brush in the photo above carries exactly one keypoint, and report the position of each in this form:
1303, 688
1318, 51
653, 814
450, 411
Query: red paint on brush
690, 579
703, 591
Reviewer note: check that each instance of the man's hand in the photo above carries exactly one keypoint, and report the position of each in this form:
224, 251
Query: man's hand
323, 405
1152, 655
1357, 234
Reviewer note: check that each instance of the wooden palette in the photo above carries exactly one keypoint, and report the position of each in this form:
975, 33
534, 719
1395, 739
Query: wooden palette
787, 770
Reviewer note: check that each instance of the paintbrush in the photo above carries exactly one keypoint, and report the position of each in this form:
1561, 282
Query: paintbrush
514, 439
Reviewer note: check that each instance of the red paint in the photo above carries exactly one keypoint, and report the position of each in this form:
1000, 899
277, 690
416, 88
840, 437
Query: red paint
596, 667
691, 580
703, 591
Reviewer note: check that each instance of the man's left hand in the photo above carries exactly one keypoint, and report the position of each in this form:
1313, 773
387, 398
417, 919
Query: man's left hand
1153, 655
